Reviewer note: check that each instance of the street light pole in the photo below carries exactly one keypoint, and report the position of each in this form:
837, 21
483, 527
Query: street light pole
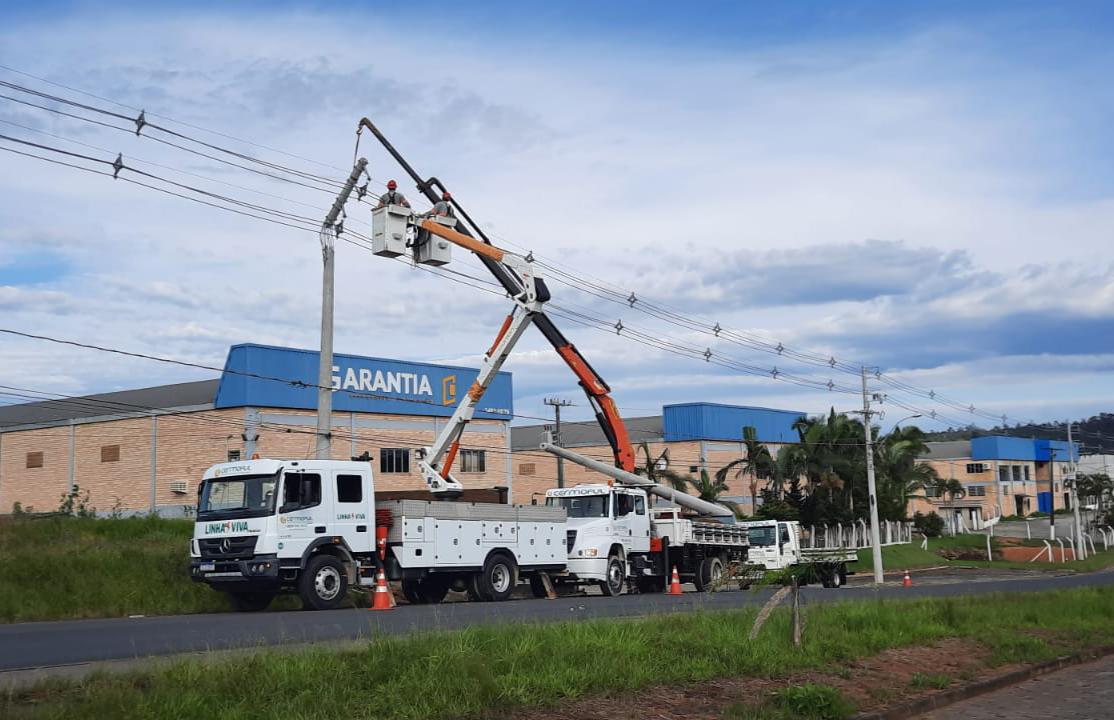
557, 404
329, 232
875, 539
1080, 548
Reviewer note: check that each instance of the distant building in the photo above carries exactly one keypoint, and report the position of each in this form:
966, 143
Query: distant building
696, 436
1000, 475
146, 449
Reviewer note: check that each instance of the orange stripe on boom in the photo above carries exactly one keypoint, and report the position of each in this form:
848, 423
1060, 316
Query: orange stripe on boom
583, 373
450, 457
476, 391
624, 453
502, 332
458, 238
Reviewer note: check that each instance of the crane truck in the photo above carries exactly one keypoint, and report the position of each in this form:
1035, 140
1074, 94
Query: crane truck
314, 527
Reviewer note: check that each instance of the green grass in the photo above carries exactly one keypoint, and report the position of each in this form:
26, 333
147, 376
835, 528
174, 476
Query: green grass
926, 681
480, 672
911, 557
60, 567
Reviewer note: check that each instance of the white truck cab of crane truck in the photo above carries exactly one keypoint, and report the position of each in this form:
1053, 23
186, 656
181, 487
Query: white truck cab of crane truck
607, 526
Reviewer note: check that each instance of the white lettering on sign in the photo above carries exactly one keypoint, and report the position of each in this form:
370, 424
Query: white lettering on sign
397, 383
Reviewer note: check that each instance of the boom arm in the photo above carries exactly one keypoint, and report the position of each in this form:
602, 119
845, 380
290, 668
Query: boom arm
598, 392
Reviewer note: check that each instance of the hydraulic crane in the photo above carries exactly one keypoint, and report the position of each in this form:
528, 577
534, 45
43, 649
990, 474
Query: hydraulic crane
529, 292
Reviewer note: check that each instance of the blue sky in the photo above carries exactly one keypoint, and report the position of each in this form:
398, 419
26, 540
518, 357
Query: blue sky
926, 187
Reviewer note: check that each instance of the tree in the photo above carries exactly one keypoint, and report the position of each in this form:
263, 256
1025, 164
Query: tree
951, 489
898, 475
756, 463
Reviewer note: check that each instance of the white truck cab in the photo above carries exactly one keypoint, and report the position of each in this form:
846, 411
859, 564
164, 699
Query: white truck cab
607, 526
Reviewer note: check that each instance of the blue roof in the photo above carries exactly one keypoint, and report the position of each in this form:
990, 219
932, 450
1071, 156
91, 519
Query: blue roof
714, 421
268, 376
1002, 447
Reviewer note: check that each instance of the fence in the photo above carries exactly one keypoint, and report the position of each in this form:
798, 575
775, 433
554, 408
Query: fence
856, 535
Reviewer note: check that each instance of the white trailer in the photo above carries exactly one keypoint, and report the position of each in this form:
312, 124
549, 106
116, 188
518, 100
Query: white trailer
776, 545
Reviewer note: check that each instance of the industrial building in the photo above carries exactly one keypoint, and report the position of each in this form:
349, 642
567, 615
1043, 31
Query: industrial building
146, 449
1000, 475
685, 438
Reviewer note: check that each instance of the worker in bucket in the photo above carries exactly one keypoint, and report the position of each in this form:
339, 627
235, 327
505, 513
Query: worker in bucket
392, 197
443, 207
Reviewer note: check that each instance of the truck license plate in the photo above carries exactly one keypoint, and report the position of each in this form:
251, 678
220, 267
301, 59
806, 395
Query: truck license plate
208, 567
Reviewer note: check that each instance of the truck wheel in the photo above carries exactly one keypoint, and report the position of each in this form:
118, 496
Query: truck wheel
648, 585
250, 601
323, 584
616, 576
471, 586
708, 573
842, 574
498, 578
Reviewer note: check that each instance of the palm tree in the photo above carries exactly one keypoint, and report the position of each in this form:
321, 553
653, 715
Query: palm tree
900, 477
757, 463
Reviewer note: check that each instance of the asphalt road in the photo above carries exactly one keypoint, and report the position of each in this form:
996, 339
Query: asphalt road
25, 646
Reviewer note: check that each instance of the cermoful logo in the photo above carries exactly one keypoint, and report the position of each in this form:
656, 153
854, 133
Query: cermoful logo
448, 390
365, 380
219, 528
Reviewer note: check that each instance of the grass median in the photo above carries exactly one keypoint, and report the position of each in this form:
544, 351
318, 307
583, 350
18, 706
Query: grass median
488, 671
912, 557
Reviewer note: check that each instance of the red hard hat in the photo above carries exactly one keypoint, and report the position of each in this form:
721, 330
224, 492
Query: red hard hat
391, 184
446, 196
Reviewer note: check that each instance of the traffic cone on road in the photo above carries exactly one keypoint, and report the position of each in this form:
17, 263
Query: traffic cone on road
675, 583
907, 581
384, 600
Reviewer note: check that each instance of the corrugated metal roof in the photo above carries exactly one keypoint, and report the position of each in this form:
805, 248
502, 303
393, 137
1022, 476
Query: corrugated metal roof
123, 402
715, 421
586, 433
949, 449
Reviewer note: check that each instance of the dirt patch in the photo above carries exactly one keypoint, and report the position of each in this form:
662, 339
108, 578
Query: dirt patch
893, 676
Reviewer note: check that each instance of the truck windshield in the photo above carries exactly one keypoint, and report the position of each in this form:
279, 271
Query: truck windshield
762, 536
237, 496
584, 506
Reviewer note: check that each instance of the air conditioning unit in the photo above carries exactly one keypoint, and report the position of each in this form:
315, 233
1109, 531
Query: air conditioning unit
178, 486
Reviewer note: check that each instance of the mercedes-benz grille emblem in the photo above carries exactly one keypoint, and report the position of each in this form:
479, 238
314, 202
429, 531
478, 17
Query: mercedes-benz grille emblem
226, 546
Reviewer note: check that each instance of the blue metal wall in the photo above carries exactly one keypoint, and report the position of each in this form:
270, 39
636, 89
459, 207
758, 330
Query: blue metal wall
1000, 447
711, 421
363, 384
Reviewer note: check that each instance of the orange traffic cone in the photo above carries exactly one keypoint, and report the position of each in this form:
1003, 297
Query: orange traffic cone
383, 597
675, 584
907, 581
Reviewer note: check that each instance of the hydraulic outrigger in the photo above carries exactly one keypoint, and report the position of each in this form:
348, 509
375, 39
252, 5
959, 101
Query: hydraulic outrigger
529, 292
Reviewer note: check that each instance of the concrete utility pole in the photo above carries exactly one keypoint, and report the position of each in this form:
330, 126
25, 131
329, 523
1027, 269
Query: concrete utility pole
1051, 493
557, 404
329, 232
1080, 548
875, 540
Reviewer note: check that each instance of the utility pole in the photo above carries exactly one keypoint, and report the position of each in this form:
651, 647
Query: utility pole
875, 539
329, 232
1051, 493
557, 404
1080, 548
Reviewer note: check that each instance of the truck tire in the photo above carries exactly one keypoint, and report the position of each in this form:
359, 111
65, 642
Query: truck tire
498, 577
323, 584
649, 585
410, 592
432, 589
616, 577
708, 573
842, 574
471, 587
250, 601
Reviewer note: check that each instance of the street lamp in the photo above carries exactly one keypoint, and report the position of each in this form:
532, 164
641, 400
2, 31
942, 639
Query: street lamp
898, 423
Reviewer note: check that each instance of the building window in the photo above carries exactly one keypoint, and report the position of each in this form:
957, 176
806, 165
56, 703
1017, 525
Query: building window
974, 468
34, 459
473, 461
1027, 476
931, 491
110, 453
1017, 473
394, 460
350, 488
976, 490
527, 469
1003, 473
694, 468
233, 455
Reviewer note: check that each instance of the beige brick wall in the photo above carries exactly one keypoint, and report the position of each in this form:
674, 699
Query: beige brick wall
188, 443
41, 488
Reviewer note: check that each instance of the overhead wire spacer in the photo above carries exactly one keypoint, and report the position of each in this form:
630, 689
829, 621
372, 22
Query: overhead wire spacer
117, 165
140, 121
632, 299
618, 326
707, 354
